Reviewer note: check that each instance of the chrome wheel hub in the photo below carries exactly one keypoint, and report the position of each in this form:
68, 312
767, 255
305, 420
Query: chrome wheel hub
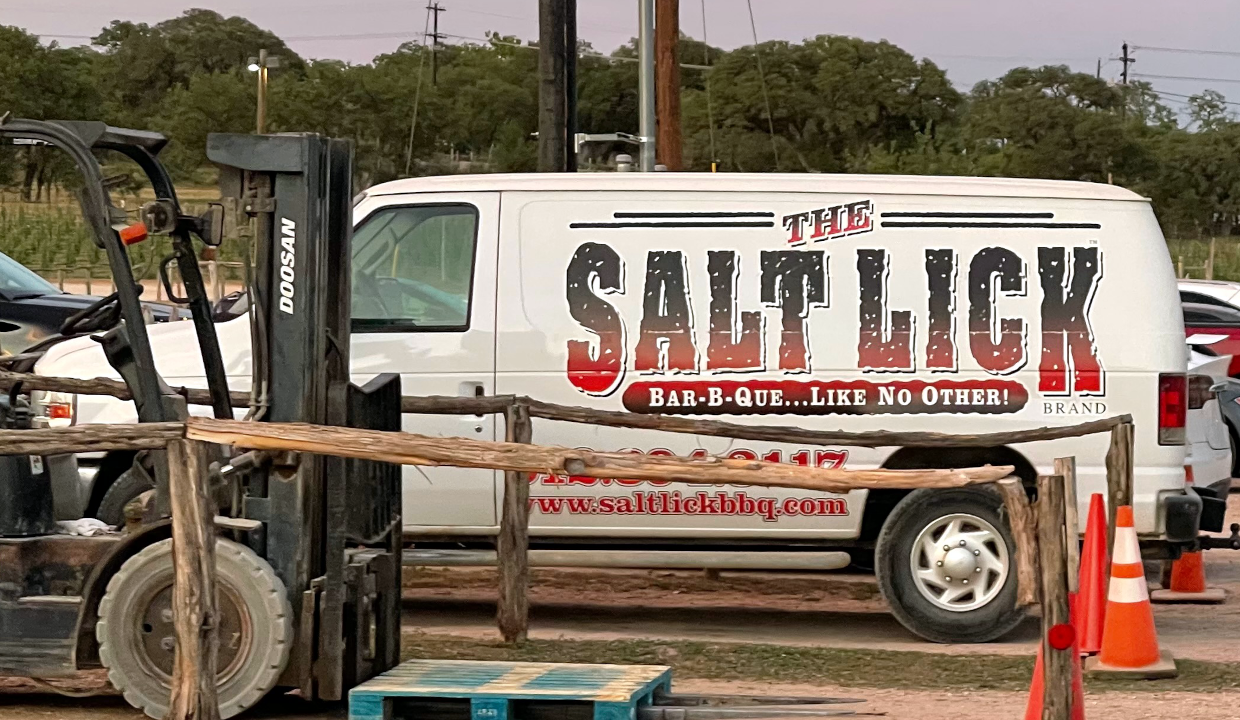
959, 562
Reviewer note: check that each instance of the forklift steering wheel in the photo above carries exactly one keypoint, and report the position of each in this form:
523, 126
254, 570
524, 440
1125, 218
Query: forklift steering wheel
103, 314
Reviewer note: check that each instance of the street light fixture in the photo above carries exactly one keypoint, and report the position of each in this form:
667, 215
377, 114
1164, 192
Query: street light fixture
261, 65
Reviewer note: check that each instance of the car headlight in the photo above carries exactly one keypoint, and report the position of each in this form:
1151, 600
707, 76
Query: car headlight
53, 409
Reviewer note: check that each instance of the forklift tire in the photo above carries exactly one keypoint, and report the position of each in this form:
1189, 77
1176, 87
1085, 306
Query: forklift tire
121, 492
135, 629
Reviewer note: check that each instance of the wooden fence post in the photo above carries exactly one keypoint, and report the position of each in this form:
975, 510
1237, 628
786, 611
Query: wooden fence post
1119, 476
513, 611
1056, 661
1024, 530
194, 601
1065, 467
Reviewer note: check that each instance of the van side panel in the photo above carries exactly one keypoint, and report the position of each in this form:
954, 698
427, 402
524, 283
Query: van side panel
828, 311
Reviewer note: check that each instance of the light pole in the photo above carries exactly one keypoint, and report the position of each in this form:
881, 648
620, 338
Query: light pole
645, 84
260, 65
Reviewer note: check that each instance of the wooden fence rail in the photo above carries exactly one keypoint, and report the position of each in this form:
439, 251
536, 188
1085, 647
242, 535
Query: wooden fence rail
1043, 561
499, 404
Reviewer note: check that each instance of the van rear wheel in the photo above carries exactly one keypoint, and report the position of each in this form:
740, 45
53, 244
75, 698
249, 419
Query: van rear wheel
946, 566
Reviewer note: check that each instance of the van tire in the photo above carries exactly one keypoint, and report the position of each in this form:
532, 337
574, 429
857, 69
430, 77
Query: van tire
131, 483
922, 511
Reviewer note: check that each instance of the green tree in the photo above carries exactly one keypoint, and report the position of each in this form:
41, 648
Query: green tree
216, 102
1050, 122
41, 82
1208, 111
142, 63
832, 99
1196, 187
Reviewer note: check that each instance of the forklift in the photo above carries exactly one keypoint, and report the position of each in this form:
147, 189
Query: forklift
308, 547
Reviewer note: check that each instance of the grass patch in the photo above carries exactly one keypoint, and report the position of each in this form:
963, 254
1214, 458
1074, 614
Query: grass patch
783, 664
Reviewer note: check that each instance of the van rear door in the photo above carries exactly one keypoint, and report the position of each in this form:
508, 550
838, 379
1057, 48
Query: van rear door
424, 306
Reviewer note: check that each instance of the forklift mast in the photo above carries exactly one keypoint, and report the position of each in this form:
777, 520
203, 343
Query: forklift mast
332, 527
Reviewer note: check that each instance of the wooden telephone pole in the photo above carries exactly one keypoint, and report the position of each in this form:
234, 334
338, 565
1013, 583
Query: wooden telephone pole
557, 85
667, 83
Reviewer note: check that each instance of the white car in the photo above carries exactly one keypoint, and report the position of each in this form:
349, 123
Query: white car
863, 302
1209, 461
1199, 291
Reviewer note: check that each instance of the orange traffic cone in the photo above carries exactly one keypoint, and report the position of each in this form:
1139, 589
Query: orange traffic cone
1129, 640
1092, 600
1188, 583
1033, 708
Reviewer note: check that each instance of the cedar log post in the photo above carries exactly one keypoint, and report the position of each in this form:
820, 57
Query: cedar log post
1024, 531
513, 611
1065, 467
193, 590
1056, 662
1119, 476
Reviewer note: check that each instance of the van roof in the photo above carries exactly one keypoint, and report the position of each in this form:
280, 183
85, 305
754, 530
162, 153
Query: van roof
762, 182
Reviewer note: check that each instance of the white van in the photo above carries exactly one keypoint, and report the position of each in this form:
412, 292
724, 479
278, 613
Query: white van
959, 305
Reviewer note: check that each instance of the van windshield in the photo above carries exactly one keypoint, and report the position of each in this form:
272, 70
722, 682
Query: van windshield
413, 268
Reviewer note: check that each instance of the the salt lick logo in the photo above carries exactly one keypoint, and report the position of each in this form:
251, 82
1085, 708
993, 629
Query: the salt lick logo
829, 223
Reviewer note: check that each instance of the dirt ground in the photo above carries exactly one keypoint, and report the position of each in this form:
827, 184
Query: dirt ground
792, 609
799, 610
20, 701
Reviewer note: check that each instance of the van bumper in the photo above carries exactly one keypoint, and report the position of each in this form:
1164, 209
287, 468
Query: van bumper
1183, 517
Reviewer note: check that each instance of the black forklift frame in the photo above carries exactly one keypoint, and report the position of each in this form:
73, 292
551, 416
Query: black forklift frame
338, 556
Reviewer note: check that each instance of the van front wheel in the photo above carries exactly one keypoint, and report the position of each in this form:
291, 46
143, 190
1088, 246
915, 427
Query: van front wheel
946, 566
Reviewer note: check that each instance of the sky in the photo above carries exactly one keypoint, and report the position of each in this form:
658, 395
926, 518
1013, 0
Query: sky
972, 39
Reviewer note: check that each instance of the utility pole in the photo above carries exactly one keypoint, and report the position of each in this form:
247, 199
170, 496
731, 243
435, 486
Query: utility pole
1098, 71
570, 85
435, 37
645, 83
552, 111
1127, 60
667, 82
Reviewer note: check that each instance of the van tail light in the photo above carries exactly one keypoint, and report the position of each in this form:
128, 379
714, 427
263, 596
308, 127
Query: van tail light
1188, 474
1199, 392
1172, 408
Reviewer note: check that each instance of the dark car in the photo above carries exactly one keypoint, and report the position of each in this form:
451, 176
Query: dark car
33, 310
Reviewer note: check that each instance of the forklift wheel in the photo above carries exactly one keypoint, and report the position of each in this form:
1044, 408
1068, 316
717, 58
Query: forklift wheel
136, 637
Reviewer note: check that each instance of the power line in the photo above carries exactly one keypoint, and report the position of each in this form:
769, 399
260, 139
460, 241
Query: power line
417, 94
1186, 51
766, 95
604, 56
1185, 77
1181, 97
710, 111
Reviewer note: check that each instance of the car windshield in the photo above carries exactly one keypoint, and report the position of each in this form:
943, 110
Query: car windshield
17, 280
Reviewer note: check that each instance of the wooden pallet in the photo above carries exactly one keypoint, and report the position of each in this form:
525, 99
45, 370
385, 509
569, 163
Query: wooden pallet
615, 691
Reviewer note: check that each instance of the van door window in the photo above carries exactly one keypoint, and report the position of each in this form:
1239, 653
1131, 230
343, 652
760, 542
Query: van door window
413, 269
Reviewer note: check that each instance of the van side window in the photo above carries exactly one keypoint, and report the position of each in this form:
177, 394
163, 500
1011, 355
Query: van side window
413, 269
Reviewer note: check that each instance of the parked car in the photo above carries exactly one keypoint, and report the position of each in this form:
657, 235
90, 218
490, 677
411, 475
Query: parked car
962, 305
32, 310
1211, 308
1210, 445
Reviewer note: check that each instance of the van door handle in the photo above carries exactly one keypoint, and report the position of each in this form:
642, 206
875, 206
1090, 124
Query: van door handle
475, 390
